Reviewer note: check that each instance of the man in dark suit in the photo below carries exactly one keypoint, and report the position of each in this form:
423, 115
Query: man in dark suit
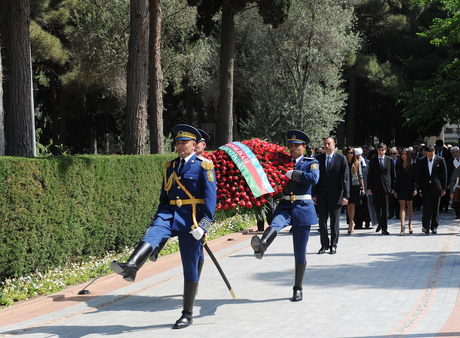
443, 152
432, 182
380, 184
331, 192
452, 164
393, 202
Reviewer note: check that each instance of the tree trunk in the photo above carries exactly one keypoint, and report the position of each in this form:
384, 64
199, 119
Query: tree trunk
351, 111
18, 117
340, 137
156, 80
137, 90
2, 132
225, 117
188, 102
54, 107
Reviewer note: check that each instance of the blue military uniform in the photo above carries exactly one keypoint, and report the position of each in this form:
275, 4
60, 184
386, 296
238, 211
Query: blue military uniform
204, 138
187, 204
174, 217
297, 209
300, 213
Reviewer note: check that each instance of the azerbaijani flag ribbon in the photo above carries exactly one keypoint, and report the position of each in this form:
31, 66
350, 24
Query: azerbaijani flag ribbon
250, 168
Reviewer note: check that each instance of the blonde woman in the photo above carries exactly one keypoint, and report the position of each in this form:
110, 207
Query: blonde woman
356, 186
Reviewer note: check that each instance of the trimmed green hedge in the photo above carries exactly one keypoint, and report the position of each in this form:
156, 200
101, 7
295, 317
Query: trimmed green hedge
55, 210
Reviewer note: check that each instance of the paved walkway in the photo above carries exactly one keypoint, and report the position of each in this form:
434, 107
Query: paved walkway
375, 286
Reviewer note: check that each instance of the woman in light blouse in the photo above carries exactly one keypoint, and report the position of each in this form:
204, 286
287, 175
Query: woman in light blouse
356, 186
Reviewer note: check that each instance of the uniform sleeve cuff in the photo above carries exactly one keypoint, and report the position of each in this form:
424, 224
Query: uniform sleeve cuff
205, 223
296, 175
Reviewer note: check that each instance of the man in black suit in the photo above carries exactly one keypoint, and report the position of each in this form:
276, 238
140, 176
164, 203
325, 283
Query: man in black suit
380, 184
393, 202
432, 182
452, 164
330, 193
445, 153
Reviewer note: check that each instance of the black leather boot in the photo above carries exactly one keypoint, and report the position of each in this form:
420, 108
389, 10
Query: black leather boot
200, 268
260, 245
129, 269
154, 256
299, 273
189, 299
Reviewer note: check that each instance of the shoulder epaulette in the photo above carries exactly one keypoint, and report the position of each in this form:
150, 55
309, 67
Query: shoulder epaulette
203, 159
167, 164
207, 165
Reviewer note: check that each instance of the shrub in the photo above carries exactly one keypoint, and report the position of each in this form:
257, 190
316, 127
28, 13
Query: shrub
58, 210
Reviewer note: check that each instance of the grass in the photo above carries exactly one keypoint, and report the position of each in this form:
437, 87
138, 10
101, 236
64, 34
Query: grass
53, 280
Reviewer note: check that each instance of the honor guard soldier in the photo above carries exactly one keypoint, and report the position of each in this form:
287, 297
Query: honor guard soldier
296, 209
201, 144
186, 210
199, 150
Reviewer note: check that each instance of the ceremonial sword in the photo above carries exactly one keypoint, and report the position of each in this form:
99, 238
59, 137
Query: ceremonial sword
216, 263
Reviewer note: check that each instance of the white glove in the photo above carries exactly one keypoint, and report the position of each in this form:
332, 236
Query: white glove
289, 173
197, 233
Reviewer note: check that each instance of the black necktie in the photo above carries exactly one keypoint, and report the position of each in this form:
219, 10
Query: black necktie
328, 163
381, 163
181, 165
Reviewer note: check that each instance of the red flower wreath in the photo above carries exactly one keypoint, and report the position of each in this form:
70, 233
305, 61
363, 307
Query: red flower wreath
232, 189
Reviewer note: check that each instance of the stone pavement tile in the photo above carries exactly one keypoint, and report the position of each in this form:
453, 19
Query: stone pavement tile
374, 285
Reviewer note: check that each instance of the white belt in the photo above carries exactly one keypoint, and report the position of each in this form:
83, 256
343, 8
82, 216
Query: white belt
293, 198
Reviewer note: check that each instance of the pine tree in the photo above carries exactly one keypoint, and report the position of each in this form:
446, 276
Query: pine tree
274, 12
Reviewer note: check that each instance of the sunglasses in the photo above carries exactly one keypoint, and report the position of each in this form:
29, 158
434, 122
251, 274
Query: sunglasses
350, 153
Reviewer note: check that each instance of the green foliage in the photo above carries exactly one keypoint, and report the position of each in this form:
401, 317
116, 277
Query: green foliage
98, 38
434, 101
47, 47
384, 78
444, 31
55, 210
273, 12
296, 70
391, 60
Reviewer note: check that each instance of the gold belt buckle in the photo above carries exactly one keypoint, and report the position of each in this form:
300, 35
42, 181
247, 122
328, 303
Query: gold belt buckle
292, 198
179, 202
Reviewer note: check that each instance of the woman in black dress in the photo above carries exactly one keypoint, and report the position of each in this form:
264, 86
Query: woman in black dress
406, 187
356, 186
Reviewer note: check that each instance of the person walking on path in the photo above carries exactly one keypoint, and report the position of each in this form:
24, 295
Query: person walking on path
432, 182
186, 210
356, 186
296, 208
380, 184
330, 193
406, 188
